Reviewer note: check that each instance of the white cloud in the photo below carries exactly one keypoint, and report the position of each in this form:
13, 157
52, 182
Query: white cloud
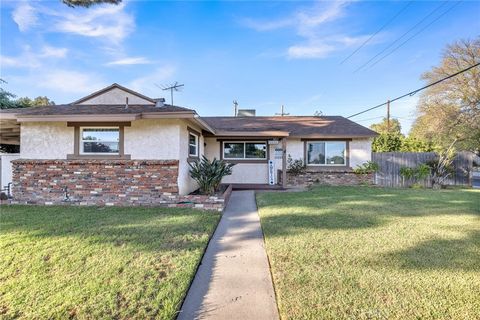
321, 13
109, 22
267, 25
48, 51
68, 81
25, 59
310, 51
301, 19
129, 61
148, 83
311, 25
25, 16
28, 58
6, 61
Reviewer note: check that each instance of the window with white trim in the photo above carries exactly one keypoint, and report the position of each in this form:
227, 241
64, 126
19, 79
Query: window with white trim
96, 140
326, 153
192, 144
240, 150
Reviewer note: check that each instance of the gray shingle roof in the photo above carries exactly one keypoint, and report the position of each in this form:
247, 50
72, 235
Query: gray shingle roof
83, 109
297, 126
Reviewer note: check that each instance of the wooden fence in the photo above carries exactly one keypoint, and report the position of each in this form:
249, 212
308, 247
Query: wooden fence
391, 162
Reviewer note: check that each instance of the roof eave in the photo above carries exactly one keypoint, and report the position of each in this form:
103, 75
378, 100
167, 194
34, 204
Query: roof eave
8, 115
78, 117
333, 136
203, 124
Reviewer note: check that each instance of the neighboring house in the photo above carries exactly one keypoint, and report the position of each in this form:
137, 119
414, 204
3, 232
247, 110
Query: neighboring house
117, 145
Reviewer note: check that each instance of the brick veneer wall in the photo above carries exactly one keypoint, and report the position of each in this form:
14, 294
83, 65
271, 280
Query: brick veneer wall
334, 178
104, 182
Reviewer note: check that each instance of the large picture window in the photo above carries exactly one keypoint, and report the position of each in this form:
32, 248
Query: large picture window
326, 153
245, 150
100, 140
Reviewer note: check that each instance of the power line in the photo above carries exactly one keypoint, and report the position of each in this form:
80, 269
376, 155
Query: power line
411, 93
403, 118
416, 34
368, 119
381, 28
403, 35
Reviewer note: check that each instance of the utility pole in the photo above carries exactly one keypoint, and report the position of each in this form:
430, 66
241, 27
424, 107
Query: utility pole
282, 112
388, 116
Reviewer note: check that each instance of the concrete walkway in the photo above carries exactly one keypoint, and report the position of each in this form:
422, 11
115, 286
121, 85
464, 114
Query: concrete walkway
233, 280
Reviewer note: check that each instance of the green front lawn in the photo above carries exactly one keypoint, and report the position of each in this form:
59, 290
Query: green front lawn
98, 263
371, 253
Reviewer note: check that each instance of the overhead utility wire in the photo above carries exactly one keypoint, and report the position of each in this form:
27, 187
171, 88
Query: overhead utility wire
411, 93
381, 28
416, 34
403, 35
368, 119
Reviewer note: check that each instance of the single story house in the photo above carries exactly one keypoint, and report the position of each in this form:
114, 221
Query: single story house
118, 146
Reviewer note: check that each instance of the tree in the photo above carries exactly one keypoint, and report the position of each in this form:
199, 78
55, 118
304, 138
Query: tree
412, 144
393, 140
7, 100
88, 3
382, 127
387, 142
450, 110
37, 102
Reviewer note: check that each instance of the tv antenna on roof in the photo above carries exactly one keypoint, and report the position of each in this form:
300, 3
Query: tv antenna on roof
282, 112
172, 87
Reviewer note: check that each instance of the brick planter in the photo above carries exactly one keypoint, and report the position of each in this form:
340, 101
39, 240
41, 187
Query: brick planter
333, 178
217, 202
104, 182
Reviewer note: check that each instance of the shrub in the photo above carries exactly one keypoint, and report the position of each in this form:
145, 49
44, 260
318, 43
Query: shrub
367, 167
387, 142
407, 172
295, 167
418, 173
208, 174
442, 169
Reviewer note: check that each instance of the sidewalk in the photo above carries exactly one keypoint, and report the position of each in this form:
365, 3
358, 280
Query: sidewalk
233, 280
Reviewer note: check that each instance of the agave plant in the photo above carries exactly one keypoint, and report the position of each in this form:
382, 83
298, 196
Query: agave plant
208, 174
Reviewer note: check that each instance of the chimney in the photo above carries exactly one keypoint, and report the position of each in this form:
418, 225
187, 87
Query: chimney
160, 102
246, 113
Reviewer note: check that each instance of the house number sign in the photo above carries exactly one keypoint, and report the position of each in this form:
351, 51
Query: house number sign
271, 172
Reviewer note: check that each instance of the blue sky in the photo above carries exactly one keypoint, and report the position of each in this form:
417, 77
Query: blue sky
263, 54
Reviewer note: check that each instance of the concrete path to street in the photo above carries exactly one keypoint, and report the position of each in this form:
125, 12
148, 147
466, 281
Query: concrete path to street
233, 280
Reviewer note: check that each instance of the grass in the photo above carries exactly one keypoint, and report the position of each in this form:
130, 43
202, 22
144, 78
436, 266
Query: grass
98, 263
372, 253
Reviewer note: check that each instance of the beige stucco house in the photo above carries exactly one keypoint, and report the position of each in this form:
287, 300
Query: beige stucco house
140, 147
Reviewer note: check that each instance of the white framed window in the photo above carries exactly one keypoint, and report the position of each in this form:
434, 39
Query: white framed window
192, 144
100, 140
244, 150
326, 153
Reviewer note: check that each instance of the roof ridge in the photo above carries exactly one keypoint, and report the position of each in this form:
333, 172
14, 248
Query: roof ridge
113, 85
250, 117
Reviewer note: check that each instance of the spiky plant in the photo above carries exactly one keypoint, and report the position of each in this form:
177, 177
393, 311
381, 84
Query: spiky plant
208, 174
